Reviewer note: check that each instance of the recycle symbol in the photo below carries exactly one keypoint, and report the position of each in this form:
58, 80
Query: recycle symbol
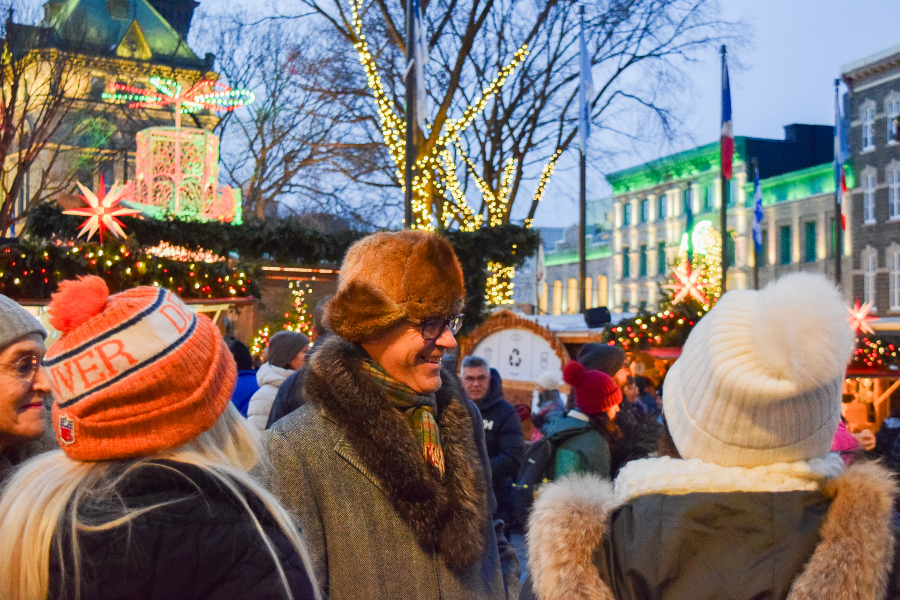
514, 359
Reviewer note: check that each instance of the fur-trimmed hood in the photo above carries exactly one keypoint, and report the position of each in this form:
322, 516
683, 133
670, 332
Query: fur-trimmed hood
447, 517
852, 560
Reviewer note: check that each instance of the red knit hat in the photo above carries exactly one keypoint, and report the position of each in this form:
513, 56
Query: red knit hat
595, 391
134, 373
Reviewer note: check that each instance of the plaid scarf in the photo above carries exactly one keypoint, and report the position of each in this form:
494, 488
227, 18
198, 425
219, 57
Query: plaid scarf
419, 411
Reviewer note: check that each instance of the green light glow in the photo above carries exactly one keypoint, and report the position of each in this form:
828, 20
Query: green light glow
699, 236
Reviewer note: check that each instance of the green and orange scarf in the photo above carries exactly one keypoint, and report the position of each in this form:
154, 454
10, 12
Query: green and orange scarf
419, 411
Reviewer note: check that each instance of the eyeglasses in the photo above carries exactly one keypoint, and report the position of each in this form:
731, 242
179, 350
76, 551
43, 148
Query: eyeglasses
433, 327
25, 369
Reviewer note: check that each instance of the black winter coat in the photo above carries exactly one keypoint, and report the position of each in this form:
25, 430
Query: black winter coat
504, 439
201, 545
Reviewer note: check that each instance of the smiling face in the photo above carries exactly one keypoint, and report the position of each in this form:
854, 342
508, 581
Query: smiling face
407, 357
22, 402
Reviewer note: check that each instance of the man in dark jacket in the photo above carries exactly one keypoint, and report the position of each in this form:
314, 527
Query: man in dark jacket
384, 466
25, 386
502, 428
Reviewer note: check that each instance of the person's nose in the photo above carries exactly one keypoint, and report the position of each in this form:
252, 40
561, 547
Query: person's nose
41, 381
445, 340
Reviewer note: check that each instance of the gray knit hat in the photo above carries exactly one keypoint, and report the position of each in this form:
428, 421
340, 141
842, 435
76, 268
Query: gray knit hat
759, 379
16, 322
284, 346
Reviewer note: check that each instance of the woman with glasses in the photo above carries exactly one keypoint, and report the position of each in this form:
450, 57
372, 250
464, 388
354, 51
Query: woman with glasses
24, 386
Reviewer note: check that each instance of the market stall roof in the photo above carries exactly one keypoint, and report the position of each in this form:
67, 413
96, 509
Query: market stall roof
573, 323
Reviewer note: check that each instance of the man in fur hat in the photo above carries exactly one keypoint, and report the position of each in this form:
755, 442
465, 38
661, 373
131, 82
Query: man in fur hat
385, 466
745, 500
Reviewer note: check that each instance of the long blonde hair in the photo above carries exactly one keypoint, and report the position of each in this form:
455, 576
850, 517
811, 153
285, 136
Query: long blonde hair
48, 491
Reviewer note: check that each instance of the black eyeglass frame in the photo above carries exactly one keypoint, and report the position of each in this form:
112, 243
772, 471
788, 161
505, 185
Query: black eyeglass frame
429, 325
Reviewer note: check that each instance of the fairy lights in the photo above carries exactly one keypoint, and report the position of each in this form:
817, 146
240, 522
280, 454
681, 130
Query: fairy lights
299, 319
542, 183
207, 94
499, 284
182, 254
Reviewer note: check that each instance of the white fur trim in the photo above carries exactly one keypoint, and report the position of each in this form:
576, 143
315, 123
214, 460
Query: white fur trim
671, 476
568, 521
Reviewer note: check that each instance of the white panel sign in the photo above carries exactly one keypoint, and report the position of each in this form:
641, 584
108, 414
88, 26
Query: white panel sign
518, 354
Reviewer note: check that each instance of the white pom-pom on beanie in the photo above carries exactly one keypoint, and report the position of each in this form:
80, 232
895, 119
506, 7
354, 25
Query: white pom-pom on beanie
759, 378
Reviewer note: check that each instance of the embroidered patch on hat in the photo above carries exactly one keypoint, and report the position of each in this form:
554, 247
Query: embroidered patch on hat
66, 429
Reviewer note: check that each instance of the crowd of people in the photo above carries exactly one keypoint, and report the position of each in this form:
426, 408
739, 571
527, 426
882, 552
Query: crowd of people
143, 456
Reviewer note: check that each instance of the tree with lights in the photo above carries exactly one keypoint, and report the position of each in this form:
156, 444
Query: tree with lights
298, 318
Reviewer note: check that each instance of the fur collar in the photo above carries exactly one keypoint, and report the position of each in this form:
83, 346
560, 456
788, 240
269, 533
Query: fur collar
672, 476
447, 518
852, 561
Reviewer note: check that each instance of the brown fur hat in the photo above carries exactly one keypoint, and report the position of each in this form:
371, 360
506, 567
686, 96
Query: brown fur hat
387, 277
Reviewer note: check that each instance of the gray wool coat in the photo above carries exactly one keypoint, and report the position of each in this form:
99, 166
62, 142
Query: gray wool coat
378, 522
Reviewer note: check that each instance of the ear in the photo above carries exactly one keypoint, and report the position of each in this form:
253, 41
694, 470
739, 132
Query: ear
358, 311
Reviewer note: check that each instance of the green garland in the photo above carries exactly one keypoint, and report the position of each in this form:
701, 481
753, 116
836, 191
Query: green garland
31, 270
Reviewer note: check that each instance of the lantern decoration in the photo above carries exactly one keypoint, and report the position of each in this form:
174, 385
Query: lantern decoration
860, 318
101, 211
687, 284
177, 168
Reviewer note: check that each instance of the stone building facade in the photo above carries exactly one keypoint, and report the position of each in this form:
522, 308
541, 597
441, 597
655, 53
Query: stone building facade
873, 207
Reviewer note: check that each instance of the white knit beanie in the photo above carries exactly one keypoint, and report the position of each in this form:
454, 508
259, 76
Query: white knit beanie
759, 379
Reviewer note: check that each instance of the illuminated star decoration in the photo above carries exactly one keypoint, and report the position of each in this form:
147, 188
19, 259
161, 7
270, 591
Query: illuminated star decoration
860, 318
210, 95
101, 211
687, 285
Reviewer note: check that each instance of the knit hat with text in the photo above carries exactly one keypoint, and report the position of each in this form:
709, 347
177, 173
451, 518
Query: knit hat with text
595, 391
134, 373
759, 379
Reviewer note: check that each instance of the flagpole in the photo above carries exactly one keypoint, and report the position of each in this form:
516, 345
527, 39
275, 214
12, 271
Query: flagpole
723, 209
410, 117
582, 197
838, 216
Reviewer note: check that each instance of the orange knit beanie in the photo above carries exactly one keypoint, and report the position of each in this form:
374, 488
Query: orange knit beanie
134, 373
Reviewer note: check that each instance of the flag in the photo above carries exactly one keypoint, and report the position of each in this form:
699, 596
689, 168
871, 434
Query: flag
757, 211
689, 229
841, 153
727, 141
420, 58
585, 93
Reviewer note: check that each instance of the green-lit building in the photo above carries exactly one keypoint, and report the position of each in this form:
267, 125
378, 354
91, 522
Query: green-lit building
649, 215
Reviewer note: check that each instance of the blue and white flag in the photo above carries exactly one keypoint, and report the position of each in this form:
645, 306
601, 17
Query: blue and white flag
585, 93
841, 151
420, 58
757, 211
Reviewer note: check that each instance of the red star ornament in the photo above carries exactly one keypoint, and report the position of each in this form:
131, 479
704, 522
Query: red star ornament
860, 318
101, 211
687, 285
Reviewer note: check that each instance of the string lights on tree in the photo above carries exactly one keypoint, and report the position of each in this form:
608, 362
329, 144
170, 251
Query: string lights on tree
499, 288
297, 319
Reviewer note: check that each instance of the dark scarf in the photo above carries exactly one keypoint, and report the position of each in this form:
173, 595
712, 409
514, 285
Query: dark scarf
419, 410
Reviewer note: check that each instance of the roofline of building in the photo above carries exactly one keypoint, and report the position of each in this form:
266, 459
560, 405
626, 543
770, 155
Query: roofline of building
871, 64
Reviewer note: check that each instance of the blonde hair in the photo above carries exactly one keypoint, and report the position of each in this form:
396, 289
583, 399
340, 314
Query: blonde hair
41, 501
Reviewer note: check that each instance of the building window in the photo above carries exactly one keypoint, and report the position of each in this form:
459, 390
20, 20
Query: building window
626, 213
572, 297
893, 179
868, 127
642, 262
687, 200
785, 244
809, 241
626, 262
542, 300
893, 112
894, 264
602, 290
764, 248
869, 264
557, 297
661, 207
834, 234
708, 195
645, 208
868, 198
661, 266
588, 293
